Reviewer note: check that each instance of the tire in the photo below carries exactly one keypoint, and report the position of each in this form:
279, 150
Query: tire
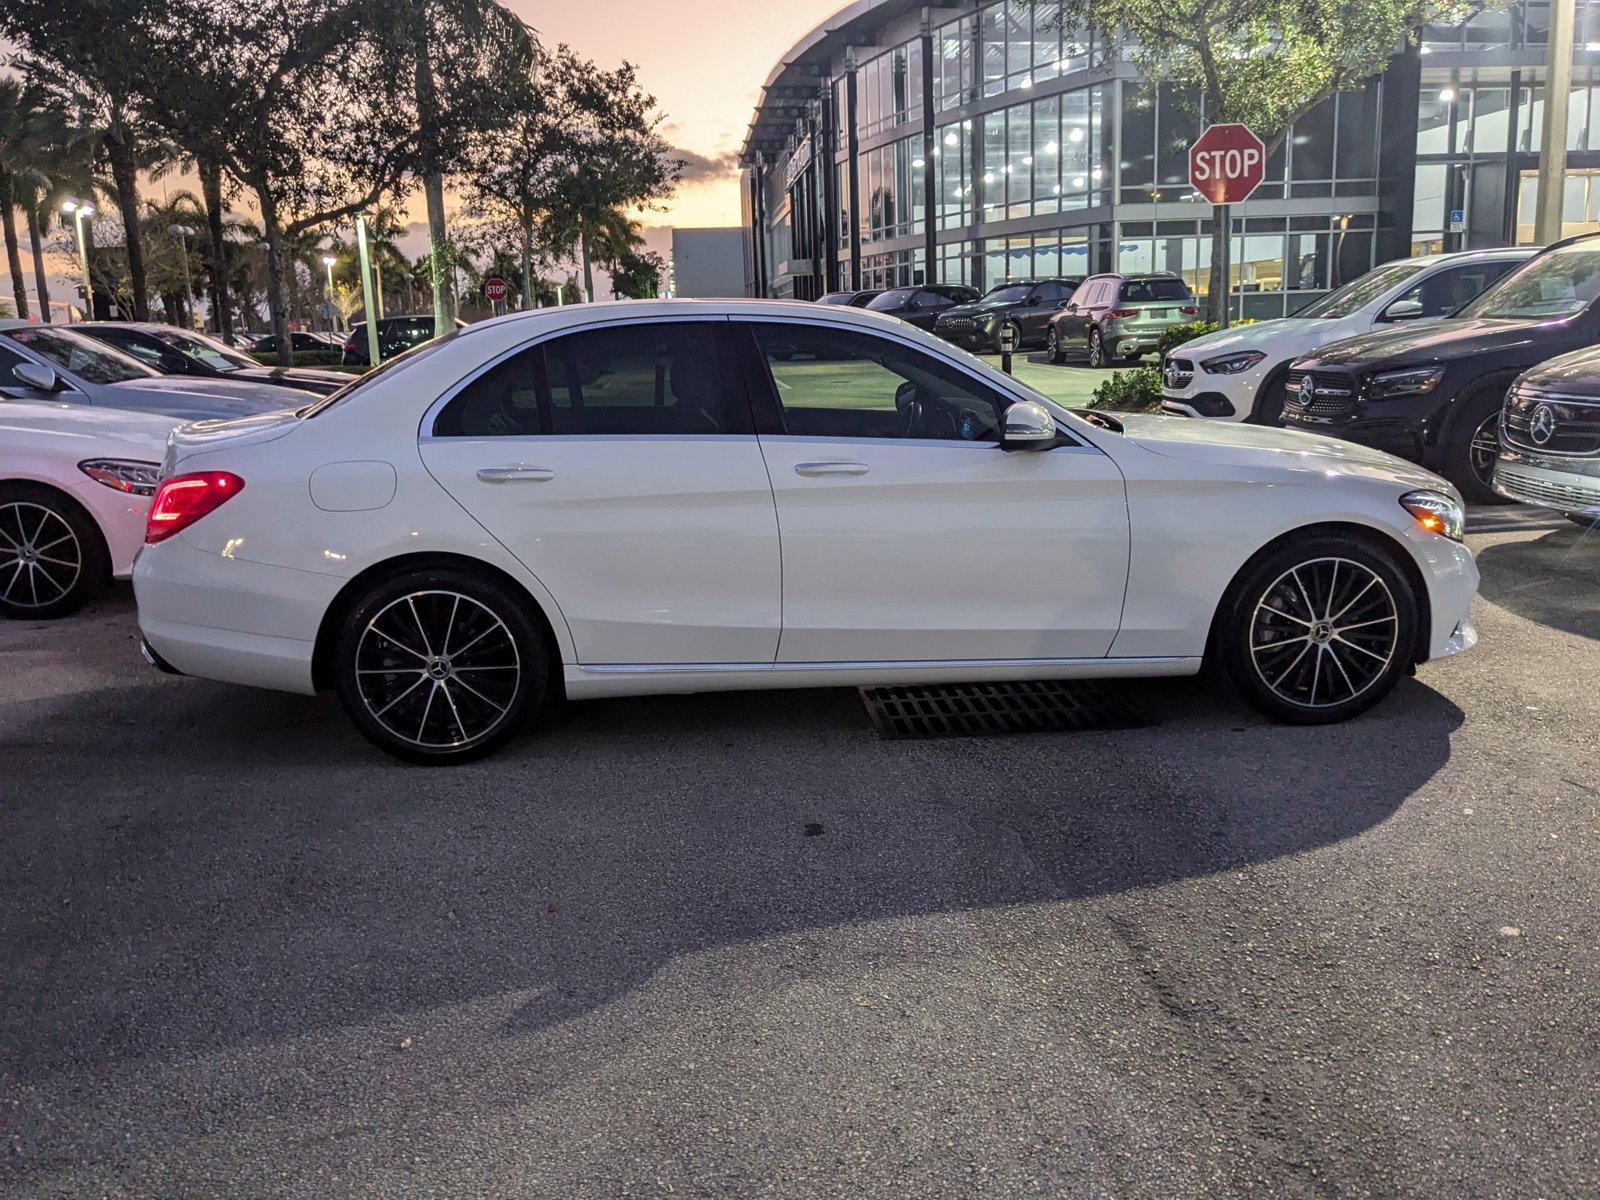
1098, 358
1268, 408
1466, 460
53, 557
1319, 629
400, 659
1052, 345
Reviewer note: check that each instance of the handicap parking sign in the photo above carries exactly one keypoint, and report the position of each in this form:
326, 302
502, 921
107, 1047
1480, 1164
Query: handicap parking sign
1458, 220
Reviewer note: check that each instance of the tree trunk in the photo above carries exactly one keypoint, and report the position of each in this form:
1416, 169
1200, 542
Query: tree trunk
125, 178
41, 278
8, 215
527, 264
277, 282
211, 193
588, 269
427, 100
433, 187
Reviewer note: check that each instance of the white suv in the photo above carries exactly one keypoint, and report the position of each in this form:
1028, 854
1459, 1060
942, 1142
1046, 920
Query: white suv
1237, 374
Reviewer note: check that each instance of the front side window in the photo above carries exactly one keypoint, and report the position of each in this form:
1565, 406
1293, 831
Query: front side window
650, 378
1360, 292
841, 383
1559, 283
1441, 293
84, 357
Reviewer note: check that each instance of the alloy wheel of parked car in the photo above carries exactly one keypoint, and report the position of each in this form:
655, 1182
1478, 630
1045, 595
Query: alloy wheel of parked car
1484, 449
1320, 631
1097, 351
1052, 345
52, 559
436, 669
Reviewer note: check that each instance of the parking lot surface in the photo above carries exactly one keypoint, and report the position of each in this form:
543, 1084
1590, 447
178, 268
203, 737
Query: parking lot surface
738, 945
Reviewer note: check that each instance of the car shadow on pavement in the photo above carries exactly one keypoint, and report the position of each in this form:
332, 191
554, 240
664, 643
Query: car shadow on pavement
189, 868
1553, 580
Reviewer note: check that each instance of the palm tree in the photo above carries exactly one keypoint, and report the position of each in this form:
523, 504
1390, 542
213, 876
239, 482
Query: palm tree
27, 129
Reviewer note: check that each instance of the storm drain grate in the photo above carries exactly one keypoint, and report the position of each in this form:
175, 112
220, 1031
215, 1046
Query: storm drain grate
971, 709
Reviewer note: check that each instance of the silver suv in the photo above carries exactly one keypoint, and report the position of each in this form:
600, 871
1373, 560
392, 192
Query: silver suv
1550, 437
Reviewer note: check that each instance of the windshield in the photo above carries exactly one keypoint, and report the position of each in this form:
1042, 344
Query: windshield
361, 381
1360, 292
1013, 293
894, 299
85, 358
1556, 284
206, 351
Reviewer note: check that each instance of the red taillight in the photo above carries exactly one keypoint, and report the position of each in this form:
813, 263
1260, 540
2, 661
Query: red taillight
1190, 310
1123, 312
184, 499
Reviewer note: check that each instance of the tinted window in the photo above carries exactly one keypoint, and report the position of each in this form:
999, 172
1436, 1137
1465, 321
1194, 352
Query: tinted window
82, 356
928, 298
207, 351
1360, 292
890, 300
650, 378
1441, 293
1088, 293
8, 361
1145, 291
840, 383
1556, 284
1051, 292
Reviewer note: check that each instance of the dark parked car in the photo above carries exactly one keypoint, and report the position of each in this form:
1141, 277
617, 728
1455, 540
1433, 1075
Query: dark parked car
921, 305
853, 299
1433, 393
178, 352
1119, 317
395, 335
1027, 306
1550, 438
316, 345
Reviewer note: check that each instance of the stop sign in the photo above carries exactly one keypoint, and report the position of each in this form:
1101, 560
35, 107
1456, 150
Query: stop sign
495, 288
1227, 163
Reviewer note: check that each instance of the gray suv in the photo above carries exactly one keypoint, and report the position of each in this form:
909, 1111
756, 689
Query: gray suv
1113, 318
1550, 437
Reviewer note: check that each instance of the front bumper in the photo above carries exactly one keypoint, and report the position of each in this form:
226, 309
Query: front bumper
974, 338
1568, 485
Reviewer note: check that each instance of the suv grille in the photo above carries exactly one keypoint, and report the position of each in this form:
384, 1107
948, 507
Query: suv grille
1335, 395
1536, 490
1550, 423
956, 324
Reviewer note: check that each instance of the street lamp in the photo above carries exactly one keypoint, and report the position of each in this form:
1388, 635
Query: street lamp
366, 290
183, 233
333, 315
79, 212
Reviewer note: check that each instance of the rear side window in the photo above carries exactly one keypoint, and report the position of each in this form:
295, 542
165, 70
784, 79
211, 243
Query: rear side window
1147, 291
647, 379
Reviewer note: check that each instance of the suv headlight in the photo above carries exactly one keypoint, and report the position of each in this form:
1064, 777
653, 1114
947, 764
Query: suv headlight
1437, 513
1413, 381
126, 475
1231, 364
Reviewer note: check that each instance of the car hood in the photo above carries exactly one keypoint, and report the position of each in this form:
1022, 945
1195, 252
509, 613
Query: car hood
100, 430
204, 398
1575, 374
1284, 335
977, 308
1430, 342
1225, 443
296, 377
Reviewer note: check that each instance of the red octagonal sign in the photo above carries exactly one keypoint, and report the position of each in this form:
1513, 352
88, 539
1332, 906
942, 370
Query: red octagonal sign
495, 288
1227, 163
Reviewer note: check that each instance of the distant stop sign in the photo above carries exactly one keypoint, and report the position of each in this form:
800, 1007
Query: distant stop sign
1227, 163
495, 289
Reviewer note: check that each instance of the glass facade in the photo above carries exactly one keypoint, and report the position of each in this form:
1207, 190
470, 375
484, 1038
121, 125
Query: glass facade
1047, 160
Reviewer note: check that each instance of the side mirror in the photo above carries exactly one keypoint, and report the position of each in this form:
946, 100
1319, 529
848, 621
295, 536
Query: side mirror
37, 376
1403, 310
1062, 304
1034, 299
1028, 426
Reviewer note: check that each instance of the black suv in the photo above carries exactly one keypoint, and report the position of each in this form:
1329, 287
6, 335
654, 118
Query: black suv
1433, 392
921, 305
395, 335
1027, 306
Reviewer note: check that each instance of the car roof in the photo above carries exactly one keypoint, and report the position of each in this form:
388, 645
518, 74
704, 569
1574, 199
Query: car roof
1460, 256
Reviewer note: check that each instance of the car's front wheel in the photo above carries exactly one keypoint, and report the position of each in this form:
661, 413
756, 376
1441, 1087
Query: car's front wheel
1471, 446
1319, 630
440, 666
53, 558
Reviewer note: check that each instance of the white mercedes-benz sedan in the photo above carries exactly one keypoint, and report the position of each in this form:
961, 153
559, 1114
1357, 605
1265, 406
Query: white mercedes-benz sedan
680, 496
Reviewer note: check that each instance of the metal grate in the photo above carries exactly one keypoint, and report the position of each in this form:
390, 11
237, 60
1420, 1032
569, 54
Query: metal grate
973, 709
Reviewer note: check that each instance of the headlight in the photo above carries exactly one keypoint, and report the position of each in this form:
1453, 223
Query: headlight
1232, 364
1437, 513
1413, 381
139, 478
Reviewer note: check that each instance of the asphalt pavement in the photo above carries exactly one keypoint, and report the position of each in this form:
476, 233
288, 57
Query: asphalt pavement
739, 946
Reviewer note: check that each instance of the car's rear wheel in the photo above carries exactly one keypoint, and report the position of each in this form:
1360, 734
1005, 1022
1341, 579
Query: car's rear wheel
1319, 630
1471, 447
53, 558
1098, 358
440, 666
1052, 344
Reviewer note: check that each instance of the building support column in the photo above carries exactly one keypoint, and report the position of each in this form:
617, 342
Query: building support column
824, 157
853, 145
1398, 94
930, 175
1553, 137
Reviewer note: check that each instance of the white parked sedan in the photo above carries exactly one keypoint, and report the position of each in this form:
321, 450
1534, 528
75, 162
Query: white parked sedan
75, 484
679, 496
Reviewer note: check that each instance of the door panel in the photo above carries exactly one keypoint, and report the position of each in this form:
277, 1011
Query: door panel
657, 537
925, 540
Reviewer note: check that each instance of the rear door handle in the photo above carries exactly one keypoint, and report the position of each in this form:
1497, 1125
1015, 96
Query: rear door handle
831, 468
515, 474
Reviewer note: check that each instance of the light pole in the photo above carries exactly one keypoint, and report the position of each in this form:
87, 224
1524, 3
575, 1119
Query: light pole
366, 292
333, 314
79, 212
183, 233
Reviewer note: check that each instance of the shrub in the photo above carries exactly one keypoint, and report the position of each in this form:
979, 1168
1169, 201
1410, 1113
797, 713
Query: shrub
305, 358
1137, 389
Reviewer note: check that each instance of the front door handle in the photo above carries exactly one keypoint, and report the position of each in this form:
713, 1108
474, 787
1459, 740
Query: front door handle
515, 474
831, 468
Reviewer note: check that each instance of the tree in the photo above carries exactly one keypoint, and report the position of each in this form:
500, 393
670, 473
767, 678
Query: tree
296, 101
637, 274
1262, 63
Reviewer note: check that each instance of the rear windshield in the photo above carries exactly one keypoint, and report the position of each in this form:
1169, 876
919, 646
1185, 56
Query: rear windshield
1146, 290
1557, 284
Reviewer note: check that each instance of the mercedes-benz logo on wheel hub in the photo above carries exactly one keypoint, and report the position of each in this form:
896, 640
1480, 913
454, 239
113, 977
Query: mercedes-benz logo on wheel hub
1542, 426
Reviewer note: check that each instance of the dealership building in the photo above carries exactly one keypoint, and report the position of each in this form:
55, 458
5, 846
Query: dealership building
977, 142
